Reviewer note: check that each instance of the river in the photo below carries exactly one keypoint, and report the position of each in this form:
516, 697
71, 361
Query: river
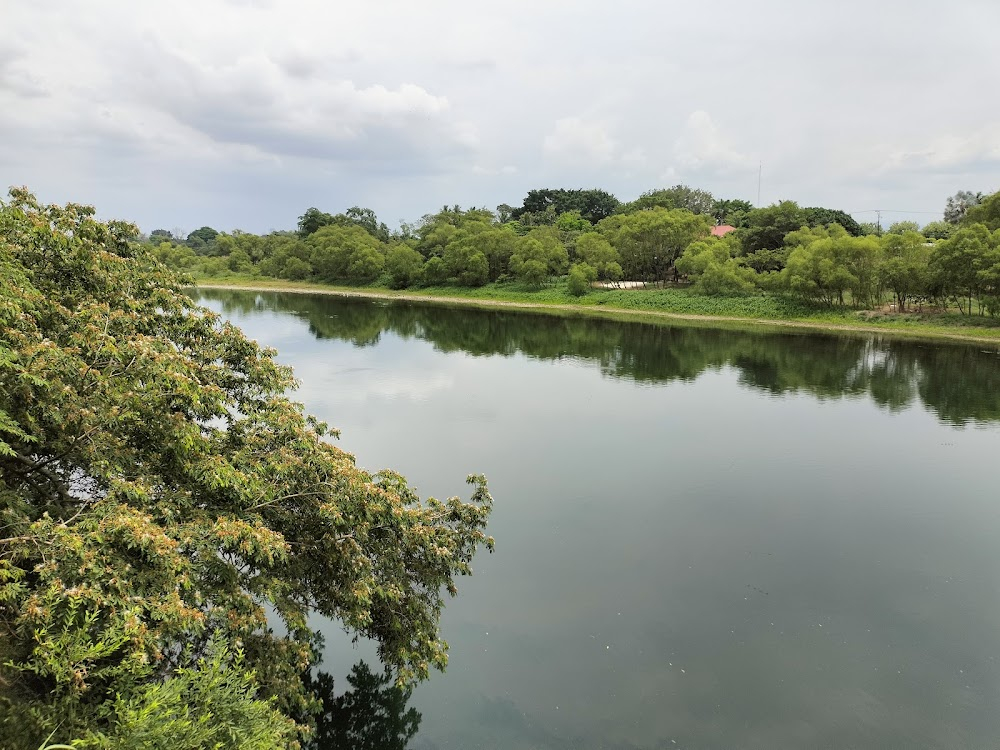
705, 538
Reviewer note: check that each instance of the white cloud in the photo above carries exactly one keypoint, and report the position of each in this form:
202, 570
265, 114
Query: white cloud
948, 152
243, 112
702, 145
575, 140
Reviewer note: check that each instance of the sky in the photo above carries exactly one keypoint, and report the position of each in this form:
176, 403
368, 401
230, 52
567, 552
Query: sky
241, 114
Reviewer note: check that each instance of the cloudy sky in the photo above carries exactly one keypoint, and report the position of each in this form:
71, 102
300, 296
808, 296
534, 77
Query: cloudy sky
243, 113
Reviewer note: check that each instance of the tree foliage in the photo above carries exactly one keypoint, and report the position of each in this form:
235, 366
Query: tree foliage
593, 205
958, 204
160, 493
649, 242
679, 196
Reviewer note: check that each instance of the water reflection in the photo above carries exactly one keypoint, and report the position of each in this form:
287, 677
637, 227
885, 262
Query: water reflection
959, 383
371, 715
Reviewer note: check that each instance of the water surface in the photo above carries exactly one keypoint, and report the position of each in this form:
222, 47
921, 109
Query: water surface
705, 538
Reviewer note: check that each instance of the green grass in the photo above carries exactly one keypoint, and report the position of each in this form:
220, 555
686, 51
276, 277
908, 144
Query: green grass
671, 301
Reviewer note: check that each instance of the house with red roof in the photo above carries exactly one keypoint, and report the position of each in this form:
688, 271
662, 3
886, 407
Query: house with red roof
722, 230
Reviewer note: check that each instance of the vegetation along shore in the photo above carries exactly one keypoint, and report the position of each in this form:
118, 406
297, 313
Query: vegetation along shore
676, 252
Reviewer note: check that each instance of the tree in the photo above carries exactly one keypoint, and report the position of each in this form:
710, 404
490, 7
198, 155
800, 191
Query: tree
937, 230
904, 268
580, 277
531, 261
649, 242
957, 205
715, 269
902, 227
504, 213
312, 221
826, 263
367, 220
497, 244
986, 212
466, 264
821, 217
957, 262
764, 234
593, 205
345, 252
404, 265
732, 211
679, 196
598, 253
160, 494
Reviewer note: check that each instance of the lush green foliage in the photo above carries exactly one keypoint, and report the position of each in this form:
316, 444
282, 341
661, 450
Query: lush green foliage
817, 255
161, 498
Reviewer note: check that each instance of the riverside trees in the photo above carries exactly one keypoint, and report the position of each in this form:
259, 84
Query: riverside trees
661, 236
162, 501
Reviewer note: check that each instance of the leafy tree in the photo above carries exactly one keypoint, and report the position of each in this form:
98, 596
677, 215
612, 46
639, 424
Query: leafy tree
764, 234
679, 196
572, 221
715, 269
958, 204
466, 264
159, 235
986, 212
904, 269
649, 242
367, 220
957, 264
530, 261
202, 237
902, 227
239, 262
294, 269
160, 493
504, 213
593, 205
821, 217
435, 271
598, 253
831, 264
497, 244
312, 221
345, 252
404, 265
732, 211
581, 276
937, 230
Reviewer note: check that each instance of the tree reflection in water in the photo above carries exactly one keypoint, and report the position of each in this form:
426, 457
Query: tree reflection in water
371, 715
960, 383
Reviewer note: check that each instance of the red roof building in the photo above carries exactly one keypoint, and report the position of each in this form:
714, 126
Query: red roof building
722, 230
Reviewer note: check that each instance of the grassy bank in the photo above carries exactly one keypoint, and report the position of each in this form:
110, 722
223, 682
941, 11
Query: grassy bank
670, 304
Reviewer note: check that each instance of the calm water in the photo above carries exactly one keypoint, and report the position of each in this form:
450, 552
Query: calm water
705, 538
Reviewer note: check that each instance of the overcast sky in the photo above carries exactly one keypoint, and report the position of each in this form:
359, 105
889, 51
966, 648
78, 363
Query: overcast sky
243, 113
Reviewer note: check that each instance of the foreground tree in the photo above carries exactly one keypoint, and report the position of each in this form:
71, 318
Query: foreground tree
162, 500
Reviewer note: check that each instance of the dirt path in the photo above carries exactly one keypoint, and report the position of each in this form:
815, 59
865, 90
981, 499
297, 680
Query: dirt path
597, 311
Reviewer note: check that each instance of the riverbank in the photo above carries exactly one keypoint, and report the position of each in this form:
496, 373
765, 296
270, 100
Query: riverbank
645, 305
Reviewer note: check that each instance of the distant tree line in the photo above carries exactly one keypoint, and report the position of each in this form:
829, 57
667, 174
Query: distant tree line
816, 254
